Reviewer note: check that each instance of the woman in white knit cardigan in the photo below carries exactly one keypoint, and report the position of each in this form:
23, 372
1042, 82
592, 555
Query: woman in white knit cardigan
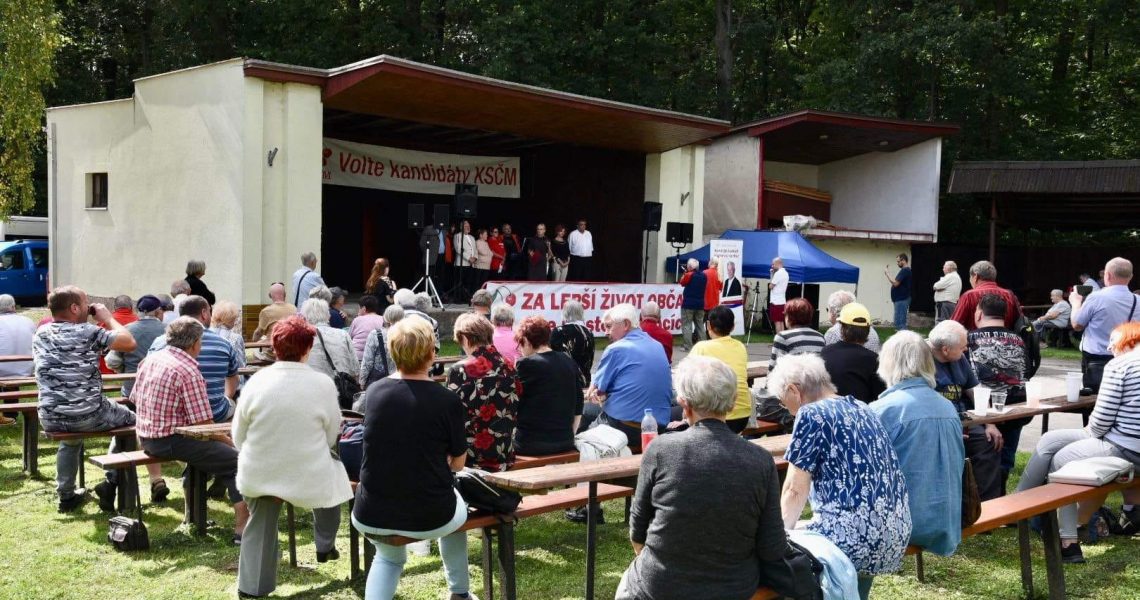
336, 341
284, 427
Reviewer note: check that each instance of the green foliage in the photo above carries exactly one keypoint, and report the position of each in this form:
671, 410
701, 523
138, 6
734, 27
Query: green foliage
27, 40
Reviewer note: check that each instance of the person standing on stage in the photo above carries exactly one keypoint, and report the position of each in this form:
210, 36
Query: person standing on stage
537, 251
559, 254
581, 253
483, 258
515, 267
498, 252
777, 293
465, 257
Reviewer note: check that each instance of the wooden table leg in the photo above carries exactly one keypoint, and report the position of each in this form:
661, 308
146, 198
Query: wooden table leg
1026, 557
919, 567
1044, 423
291, 517
591, 537
488, 563
197, 500
126, 480
31, 444
1054, 568
353, 545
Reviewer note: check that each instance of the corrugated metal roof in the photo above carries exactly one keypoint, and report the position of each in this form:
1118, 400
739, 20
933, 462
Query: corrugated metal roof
1052, 177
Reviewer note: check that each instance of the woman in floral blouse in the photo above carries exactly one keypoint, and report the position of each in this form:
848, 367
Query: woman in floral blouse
489, 389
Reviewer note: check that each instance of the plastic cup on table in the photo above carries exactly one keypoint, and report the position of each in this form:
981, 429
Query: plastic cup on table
1034, 391
998, 400
1073, 382
981, 400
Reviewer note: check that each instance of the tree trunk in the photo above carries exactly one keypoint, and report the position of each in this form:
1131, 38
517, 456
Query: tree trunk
722, 39
1064, 47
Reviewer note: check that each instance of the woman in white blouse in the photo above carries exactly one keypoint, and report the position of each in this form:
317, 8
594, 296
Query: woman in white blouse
336, 342
287, 422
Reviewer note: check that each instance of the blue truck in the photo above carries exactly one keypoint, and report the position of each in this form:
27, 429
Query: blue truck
24, 270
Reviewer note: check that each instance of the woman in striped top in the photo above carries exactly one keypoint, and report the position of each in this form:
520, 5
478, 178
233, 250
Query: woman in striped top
798, 336
1113, 430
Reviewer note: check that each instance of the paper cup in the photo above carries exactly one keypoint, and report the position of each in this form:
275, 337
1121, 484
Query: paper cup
1073, 386
981, 400
1034, 392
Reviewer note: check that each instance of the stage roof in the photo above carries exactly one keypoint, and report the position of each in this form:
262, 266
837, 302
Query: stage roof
404, 90
1076, 195
817, 137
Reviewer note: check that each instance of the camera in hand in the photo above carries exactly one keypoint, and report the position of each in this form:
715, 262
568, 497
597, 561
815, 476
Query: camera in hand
1084, 290
91, 310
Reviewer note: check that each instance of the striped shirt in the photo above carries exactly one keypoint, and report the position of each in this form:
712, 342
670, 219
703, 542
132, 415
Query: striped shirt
169, 393
1116, 417
801, 340
217, 361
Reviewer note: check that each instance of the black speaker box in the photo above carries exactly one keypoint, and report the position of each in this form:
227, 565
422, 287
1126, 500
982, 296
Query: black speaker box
651, 216
441, 217
466, 200
678, 233
415, 216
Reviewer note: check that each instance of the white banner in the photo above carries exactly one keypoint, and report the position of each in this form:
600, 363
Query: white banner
730, 259
381, 167
548, 299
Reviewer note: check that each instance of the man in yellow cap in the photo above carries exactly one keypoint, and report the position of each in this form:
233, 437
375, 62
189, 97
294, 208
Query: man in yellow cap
851, 366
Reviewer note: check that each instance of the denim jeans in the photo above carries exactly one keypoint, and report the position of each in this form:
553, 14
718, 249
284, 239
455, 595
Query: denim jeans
1055, 450
902, 307
70, 453
384, 574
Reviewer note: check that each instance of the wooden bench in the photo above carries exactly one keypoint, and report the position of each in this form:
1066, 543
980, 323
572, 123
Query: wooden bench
30, 448
1018, 508
127, 482
124, 441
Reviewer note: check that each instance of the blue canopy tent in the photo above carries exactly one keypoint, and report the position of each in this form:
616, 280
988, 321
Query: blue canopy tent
805, 263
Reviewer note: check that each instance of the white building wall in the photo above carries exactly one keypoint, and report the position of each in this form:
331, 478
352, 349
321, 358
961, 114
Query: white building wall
669, 176
731, 178
886, 191
799, 174
871, 257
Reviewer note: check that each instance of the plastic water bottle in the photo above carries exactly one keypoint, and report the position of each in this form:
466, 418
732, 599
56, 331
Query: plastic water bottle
648, 429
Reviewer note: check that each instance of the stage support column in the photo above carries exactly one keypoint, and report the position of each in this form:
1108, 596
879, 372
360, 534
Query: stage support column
676, 179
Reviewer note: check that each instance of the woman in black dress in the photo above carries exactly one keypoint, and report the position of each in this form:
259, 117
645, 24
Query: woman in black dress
536, 249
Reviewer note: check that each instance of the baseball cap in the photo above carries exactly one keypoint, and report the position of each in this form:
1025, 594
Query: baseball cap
855, 314
149, 303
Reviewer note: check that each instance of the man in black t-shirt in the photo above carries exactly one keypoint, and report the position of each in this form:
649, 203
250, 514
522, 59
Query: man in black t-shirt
851, 366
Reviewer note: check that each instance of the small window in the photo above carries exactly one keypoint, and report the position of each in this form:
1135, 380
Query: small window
96, 190
39, 258
12, 260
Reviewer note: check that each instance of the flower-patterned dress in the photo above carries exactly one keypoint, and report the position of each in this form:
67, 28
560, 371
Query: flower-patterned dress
489, 389
858, 492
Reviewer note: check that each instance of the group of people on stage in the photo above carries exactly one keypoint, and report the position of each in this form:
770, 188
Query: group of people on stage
486, 253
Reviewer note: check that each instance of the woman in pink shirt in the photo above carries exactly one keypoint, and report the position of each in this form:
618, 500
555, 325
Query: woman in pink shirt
503, 318
365, 322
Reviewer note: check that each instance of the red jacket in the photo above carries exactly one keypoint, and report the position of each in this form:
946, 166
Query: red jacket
124, 316
712, 289
497, 249
656, 331
968, 303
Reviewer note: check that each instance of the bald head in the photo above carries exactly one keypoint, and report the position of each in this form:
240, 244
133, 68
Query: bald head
277, 292
1118, 271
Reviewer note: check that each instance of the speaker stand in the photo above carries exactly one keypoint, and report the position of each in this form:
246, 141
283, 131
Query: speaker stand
426, 281
645, 266
754, 310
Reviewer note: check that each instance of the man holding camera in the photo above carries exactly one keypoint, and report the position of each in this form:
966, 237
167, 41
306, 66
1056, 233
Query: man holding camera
1100, 313
66, 354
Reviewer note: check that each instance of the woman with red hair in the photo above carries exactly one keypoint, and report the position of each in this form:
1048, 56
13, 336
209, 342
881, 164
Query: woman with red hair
1113, 430
799, 335
550, 405
284, 427
380, 285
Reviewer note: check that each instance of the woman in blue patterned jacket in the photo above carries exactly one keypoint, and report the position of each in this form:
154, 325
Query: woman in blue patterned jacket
841, 458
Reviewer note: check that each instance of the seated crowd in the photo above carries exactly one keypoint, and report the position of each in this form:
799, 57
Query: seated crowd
876, 447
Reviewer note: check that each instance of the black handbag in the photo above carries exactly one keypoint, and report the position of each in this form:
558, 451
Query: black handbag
347, 387
127, 534
484, 496
794, 575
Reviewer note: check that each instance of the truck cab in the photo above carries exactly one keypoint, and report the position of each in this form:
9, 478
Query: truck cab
24, 270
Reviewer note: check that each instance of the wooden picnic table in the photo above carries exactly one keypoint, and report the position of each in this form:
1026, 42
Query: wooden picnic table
542, 479
757, 369
1021, 411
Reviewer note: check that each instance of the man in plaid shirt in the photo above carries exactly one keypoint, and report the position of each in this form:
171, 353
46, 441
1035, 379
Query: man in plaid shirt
170, 392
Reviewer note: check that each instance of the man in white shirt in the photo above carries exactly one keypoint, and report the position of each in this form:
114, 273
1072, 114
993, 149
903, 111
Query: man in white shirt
946, 292
777, 293
581, 253
463, 245
16, 333
1054, 325
304, 279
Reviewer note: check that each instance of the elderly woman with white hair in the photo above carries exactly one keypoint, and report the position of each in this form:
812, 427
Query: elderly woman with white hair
841, 458
927, 437
575, 339
503, 319
195, 271
414, 307
332, 350
835, 303
224, 322
690, 543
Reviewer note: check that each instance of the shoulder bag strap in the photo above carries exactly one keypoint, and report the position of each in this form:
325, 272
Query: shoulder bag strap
381, 354
297, 292
325, 349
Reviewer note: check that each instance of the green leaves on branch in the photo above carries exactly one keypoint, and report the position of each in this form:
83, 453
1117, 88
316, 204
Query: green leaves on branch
28, 38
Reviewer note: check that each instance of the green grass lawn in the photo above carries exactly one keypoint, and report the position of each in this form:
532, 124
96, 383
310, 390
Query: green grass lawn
48, 555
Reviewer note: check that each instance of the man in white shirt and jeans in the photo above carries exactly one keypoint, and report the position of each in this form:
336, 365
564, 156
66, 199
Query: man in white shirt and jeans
947, 290
581, 253
777, 293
